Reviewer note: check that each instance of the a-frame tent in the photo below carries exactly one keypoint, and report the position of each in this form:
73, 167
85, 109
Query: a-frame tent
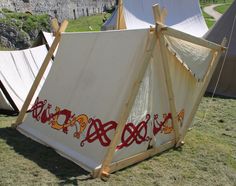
223, 81
106, 110
183, 15
18, 70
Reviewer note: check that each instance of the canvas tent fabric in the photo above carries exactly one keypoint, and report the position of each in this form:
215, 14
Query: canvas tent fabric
83, 119
183, 15
18, 70
225, 27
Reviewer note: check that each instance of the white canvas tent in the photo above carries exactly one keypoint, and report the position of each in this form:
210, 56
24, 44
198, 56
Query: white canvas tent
226, 70
121, 107
18, 70
183, 15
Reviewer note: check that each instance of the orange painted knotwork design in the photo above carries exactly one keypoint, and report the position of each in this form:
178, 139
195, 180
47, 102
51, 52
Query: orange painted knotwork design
158, 126
181, 117
60, 119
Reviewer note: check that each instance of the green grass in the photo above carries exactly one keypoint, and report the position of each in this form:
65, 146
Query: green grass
223, 8
207, 158
84, 24
210, 23
3, 48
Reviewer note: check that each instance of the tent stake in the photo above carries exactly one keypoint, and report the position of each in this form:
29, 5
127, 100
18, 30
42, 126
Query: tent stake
39, 76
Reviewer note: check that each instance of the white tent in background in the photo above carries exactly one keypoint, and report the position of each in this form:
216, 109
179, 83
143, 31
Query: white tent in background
18, 70
183, 15
126, 106
226, 70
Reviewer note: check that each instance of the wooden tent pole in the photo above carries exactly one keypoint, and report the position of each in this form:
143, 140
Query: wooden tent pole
39, 76
164, 60
118, 15
189, 38
120, 22
211, 70
55, 26
105, 170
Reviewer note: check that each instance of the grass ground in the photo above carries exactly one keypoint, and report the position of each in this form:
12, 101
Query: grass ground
84, 24
222, 8
207, 158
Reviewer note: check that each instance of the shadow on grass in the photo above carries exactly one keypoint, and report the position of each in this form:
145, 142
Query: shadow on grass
44, 156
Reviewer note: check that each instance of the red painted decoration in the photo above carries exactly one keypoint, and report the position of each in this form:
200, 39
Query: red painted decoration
98, 131
132, 133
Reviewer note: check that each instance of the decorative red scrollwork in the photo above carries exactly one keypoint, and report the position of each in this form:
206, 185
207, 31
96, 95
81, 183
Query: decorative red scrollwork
99, 131
132, 133
62, 119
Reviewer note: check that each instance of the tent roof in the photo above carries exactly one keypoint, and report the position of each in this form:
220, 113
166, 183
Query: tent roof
183, 15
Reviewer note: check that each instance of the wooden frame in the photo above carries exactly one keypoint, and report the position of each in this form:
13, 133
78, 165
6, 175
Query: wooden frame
39, 76
120, 22
164, 58
160, 30
105, 170
156, 35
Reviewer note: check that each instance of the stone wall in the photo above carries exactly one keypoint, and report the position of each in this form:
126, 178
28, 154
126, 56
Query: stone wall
61, 9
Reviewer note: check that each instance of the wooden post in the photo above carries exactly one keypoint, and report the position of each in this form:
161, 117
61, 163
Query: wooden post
211, 70
120, 22
39, 76
55, 26
118, 15
189, 38
159, 14
126, 109
164, 60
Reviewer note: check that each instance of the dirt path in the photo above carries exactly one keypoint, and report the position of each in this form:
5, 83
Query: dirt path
211, 11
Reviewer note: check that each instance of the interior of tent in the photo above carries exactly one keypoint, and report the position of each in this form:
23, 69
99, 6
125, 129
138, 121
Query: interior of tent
183, 15
223, 82
126, 106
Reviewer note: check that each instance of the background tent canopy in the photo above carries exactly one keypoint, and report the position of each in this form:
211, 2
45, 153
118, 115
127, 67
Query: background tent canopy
18, 70
225, 27
183, 15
